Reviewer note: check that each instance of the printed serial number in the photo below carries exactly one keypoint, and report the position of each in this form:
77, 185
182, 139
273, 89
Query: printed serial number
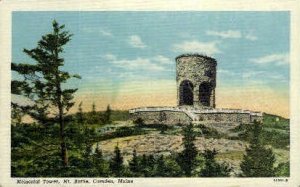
280, 180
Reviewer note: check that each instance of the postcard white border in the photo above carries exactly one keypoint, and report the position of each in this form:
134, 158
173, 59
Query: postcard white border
7, 6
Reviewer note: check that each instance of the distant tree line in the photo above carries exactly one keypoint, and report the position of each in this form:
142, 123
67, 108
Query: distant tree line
94, 117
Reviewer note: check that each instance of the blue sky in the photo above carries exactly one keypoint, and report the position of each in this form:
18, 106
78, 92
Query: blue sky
119, 53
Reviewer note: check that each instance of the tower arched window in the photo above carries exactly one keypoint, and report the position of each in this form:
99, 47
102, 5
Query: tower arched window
186, 96
204, 93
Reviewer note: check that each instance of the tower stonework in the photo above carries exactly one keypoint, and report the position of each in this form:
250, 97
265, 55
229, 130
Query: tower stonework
196, 80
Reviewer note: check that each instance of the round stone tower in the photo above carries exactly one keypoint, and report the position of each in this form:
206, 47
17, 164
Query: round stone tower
196, 80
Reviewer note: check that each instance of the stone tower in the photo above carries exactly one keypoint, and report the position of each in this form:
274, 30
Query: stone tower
196, 80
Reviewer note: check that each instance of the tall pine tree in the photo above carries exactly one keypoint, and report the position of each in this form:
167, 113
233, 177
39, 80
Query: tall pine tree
43, 81
134, 164
107, 115
101, 165
116, 163
212, 168
258, 160
79, 114
187, 158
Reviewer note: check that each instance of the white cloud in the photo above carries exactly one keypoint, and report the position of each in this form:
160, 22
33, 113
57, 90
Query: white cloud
136, 42
105, 33
236, 34
194, 46
251, 74
226, 72
156, 63
135, 64
162, 59
100, 31
225, 34
276, 58
110, 57
263, 77
250, 37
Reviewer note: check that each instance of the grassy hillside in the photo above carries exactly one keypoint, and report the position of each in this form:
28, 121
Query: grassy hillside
276, 131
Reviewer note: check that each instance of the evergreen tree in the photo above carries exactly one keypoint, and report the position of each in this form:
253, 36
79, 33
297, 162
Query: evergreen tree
16, 114
134, 164
116, 164
94, 109
42, 83
283, 170
150, 161
101, 166
187, 158
212, 168
161, 167
80, 117
167, 167
93, 117
87, 166
258, 160
107, 115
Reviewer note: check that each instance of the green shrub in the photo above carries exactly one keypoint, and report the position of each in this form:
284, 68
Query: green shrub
209, 132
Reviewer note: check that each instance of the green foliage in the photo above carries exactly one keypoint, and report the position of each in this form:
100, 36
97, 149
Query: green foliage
107, 115
163, 129
30, 155
276, 139
148, 164
283, 170
139, 122
93, 108
101, 165
35, 150
276, 122
271, 134
167, 167
209, 132
212, 168
134, 165
121, 132
258, 160
99, 118
187, 158
79, 114
116, 164
93, 116
16, 114
120, 115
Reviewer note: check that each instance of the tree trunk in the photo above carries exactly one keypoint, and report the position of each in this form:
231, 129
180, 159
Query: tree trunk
64, 154
63, 147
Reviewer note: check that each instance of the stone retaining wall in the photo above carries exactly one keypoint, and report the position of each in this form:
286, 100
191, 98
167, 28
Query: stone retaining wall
225, 117
162, 117
169, 117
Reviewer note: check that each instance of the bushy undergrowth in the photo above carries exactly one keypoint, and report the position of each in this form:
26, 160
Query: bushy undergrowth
209, 132
122, 132
269, 136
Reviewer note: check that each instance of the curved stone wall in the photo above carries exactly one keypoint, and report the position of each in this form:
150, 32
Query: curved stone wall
175, 115
162, 117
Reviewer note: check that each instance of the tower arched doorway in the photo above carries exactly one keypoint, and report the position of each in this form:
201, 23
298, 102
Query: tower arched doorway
204, 94
186, 96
